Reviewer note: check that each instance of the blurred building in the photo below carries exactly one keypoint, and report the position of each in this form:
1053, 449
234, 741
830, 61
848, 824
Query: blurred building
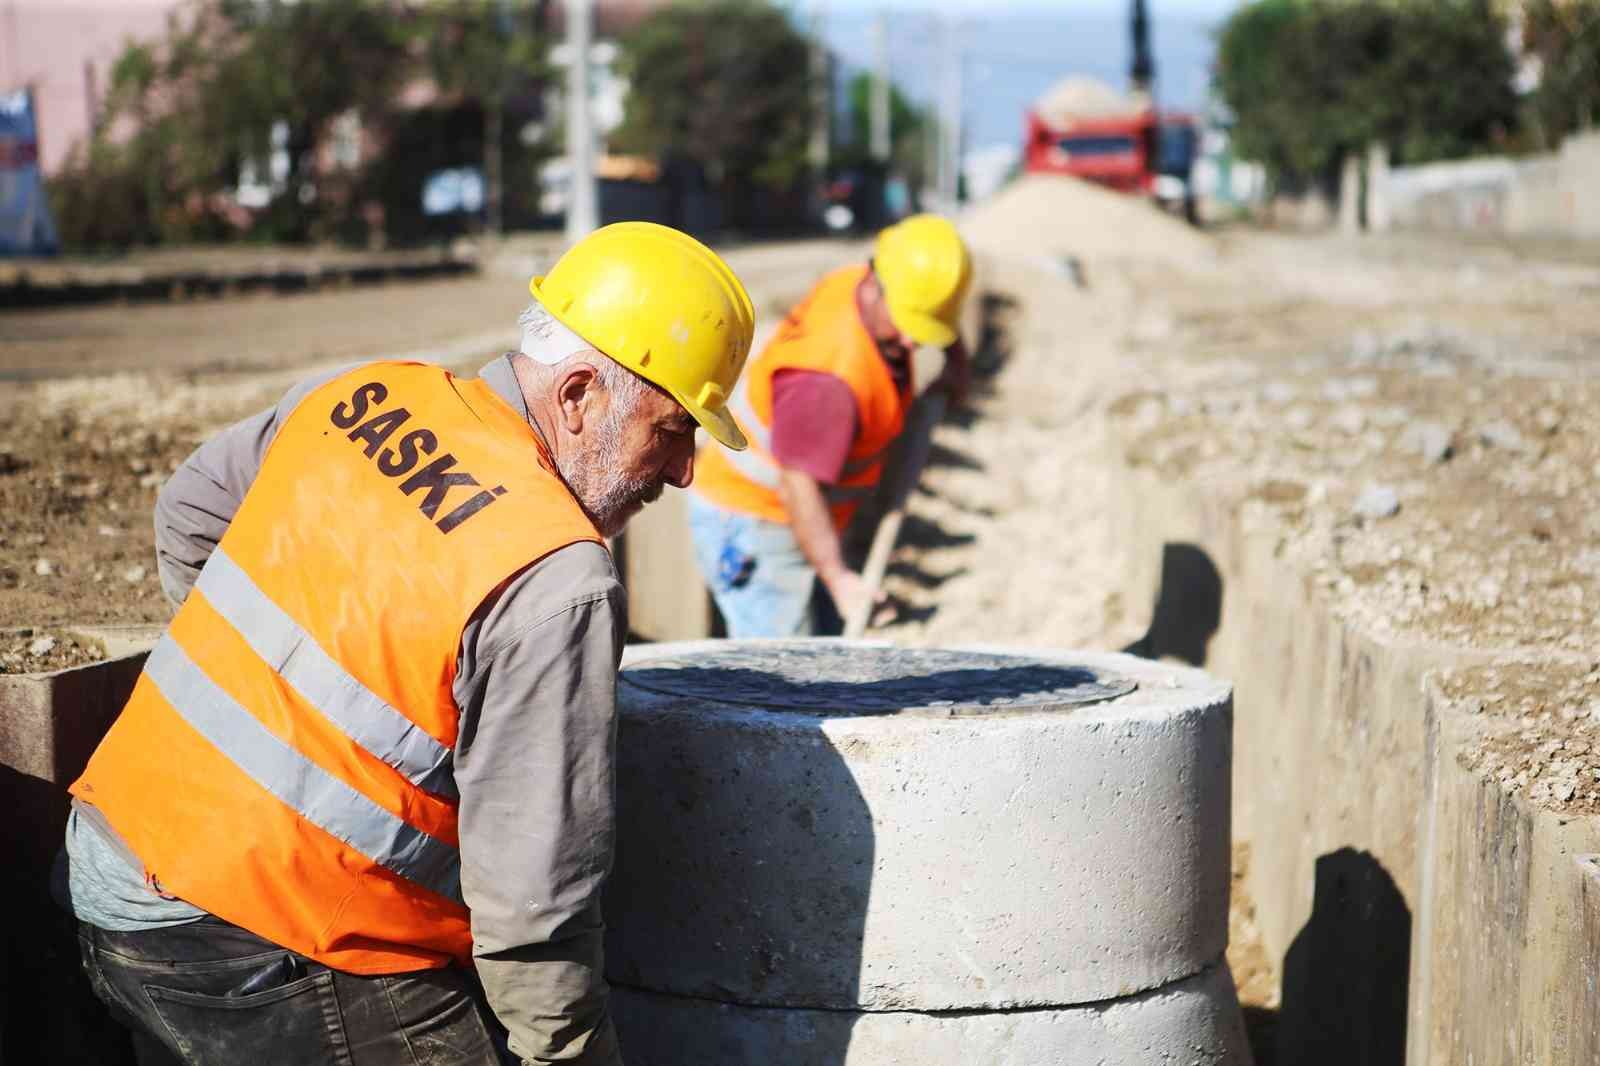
65, 50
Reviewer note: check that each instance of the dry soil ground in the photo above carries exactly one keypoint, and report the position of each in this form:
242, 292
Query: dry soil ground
99, 404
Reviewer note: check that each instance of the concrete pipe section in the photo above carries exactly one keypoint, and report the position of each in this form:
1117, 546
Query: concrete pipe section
947, 847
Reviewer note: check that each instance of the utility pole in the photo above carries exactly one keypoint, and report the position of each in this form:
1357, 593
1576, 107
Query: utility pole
494, 117
933, 131
950, 157
879, 112
1143, 75
583, 198
821, 95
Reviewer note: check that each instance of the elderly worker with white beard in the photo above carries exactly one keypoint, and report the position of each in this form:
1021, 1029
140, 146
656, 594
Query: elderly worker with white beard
369, 766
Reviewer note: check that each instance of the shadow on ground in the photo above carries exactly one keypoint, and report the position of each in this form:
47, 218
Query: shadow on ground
1188, 607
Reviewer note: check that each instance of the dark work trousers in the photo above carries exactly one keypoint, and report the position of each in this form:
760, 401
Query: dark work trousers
212, 994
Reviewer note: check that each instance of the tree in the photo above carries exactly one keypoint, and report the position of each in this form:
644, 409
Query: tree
908, 131
301, 64
182, 117
232, 77
1310, 81
1563, 37
484, 50
723, 84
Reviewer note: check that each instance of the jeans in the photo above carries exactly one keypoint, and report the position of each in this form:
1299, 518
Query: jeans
763, 584
211, 994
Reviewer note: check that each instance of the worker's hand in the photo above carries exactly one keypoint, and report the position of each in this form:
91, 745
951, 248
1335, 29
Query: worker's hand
956, 377
849, 591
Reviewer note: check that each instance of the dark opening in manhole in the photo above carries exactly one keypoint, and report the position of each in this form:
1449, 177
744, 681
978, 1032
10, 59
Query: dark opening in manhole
838, 678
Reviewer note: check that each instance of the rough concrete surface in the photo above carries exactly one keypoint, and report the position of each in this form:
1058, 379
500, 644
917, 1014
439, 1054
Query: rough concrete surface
1443, 924
1509, 944
920, 861
49, 725
1193, 1022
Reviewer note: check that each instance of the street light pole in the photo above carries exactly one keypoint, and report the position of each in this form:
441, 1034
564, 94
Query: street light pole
950, 158
879, 141
583, 199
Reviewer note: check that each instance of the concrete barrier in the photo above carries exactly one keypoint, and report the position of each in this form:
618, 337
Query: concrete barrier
1547, 195
1192, 1022
1508, 950
49, 726
1418, 911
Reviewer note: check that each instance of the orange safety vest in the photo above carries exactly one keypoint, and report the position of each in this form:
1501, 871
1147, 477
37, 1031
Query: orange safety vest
285, 760
823, 333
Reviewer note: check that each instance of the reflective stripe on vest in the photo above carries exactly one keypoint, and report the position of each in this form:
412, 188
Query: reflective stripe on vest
313, 793
289, 650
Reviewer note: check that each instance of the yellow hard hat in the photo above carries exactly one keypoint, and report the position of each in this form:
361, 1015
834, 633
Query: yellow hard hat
663, 305
924, 268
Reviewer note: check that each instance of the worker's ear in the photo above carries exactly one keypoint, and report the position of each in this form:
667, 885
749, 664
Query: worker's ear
576, 393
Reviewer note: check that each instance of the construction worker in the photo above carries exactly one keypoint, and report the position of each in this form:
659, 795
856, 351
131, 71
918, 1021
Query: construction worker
369, 766
821, 406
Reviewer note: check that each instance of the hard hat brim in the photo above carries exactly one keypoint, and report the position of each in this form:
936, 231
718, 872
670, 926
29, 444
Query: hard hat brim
719, 424
922, 328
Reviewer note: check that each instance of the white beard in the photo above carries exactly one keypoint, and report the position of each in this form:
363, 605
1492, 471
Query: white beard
607, 499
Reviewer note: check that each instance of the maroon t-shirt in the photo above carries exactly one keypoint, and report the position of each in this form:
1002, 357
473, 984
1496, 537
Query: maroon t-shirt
813, 422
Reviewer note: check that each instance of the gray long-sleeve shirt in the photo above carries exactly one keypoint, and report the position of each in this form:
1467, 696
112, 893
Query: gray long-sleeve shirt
535, 683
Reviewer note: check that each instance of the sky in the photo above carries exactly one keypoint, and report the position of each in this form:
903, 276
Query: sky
1017, 49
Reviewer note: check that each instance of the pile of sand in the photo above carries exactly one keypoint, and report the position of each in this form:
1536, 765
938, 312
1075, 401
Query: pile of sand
1056, 216
1083, 98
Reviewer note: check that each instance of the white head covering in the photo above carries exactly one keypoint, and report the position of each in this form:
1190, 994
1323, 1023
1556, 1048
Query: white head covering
546, 340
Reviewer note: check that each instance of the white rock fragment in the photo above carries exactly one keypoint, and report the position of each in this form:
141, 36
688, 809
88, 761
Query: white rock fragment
1365, 347
1501, 434
42, 646
1358, 388
1349, 419
1430, 440
1299, 418
44, 567
133, 574
1277, 392
1377, 501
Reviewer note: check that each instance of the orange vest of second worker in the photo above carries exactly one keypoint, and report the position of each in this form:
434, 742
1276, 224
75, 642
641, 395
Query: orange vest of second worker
824, 333
284, 761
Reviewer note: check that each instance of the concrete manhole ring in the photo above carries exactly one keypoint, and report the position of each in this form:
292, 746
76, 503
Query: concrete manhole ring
849, 678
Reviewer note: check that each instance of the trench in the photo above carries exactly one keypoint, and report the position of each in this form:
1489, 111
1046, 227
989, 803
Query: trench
1400, 896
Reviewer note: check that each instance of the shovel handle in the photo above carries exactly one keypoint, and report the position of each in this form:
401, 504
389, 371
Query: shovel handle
927, 413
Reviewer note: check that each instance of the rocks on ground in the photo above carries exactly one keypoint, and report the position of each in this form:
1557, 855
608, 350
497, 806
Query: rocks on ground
40, 651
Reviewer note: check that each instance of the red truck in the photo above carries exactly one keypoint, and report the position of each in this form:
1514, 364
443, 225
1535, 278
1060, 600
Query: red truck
1143, 151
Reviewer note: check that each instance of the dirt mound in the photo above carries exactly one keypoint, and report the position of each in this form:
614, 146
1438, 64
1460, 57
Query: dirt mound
1080, 98
1056, 216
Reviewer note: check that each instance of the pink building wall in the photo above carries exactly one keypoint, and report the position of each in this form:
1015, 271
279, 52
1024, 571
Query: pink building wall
64, 50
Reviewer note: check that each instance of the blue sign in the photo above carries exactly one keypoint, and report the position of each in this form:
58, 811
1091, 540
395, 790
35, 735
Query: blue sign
25, 224
444, 192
